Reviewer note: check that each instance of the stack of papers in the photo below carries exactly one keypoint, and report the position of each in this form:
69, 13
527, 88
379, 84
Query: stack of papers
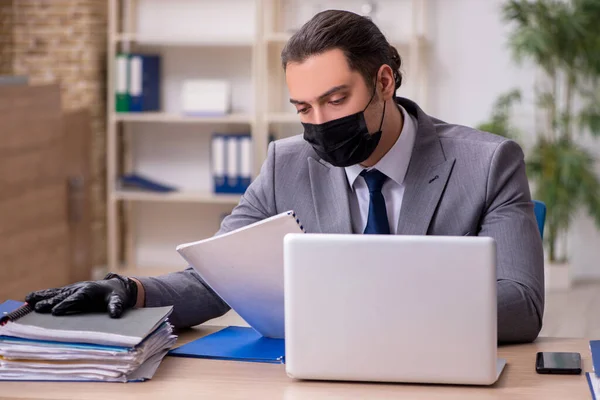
84, 347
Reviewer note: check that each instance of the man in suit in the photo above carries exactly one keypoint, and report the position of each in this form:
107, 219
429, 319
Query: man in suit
370, 163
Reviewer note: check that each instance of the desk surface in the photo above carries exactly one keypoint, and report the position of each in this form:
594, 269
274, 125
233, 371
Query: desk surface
178, 378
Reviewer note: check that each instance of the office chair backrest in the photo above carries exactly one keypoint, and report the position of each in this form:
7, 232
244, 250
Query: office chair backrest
539, 209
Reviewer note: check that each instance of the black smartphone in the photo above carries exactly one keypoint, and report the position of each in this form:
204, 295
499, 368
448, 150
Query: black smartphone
558, 363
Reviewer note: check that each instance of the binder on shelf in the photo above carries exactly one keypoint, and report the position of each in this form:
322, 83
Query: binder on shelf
232, 170
217, 158
235, 343
245, 176
144, 82
231, 163
122, 83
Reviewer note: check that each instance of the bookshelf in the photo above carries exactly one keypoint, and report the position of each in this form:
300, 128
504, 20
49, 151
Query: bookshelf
143, 228
178, 197
185, 42
182, 119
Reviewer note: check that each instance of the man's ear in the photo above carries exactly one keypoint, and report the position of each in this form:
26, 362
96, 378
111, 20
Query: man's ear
386, 81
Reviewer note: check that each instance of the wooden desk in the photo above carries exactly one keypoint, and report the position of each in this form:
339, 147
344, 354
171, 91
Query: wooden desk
182, 378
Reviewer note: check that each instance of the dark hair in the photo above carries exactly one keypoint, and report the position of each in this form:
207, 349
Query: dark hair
365, 47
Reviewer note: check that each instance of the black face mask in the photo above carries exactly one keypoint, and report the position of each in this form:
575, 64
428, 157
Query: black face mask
344, 141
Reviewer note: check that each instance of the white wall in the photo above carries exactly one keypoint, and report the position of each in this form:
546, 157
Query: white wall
470, 65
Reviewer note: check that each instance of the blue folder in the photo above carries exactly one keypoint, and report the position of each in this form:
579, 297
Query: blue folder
588, 376
595, 350
236, 344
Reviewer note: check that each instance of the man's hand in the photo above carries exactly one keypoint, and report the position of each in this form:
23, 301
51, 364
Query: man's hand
114, 294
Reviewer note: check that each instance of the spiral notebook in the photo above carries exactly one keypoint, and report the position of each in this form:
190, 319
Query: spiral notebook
245, 268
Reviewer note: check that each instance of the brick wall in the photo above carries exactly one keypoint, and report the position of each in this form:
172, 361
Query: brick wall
6, 37
64, 41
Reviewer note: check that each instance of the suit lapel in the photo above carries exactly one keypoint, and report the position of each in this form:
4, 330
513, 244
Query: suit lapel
424, 188
426, 178
330, 195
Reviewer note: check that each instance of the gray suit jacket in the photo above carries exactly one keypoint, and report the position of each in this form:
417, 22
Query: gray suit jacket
460, 181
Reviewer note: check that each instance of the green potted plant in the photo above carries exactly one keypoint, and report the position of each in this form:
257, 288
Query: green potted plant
562, 38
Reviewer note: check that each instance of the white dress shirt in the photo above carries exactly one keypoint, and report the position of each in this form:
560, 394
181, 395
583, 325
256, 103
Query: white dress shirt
394, 165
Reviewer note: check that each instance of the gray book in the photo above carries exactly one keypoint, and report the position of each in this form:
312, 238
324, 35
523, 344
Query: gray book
95, 328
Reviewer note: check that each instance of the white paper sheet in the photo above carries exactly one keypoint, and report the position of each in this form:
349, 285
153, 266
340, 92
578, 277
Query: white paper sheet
245, 268
594, 384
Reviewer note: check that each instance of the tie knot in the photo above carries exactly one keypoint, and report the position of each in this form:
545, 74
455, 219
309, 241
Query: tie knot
375, 179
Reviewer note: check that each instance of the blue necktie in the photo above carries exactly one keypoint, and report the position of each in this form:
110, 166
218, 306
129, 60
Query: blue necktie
378, 221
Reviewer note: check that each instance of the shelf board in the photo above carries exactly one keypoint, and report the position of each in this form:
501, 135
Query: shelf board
214, 41
283, 118
278, 37
182, 119
177, 197
283, 37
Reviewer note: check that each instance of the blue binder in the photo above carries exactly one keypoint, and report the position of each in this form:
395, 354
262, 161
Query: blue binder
236, 344
144, 82
218, 162
231, 162
245, 163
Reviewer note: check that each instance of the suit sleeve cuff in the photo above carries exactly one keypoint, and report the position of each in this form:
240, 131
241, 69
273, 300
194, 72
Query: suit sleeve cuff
154, 296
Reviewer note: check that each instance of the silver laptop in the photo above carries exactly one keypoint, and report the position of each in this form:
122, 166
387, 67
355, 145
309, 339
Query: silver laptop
391, 308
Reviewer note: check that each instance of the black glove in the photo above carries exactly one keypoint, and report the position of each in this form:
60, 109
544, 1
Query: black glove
114, 294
